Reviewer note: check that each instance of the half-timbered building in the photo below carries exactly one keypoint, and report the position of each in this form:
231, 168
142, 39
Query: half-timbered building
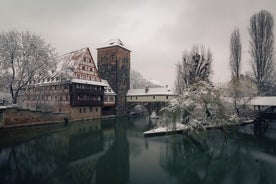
74, 88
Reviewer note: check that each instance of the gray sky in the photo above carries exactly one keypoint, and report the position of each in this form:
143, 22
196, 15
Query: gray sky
156, 31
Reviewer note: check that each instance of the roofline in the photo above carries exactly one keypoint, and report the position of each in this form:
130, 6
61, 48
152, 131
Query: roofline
81, 81
113, 46
73, 51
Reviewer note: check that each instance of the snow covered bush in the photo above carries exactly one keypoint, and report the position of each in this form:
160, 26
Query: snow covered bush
199, 106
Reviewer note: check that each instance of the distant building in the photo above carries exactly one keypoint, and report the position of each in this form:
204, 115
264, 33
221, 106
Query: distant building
109, 100
74, 88
114, 66
150, 95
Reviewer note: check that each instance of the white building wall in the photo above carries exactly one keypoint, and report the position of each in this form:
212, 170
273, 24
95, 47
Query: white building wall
153, 98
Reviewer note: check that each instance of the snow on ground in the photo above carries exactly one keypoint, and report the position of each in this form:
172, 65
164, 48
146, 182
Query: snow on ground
169, 128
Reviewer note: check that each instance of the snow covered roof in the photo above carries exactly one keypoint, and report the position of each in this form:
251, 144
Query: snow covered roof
3, 107
264, 100
67, 63
109, 90
150, 91
81, 81
114, 42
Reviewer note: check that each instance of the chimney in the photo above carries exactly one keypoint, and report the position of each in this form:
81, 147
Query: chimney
147, 89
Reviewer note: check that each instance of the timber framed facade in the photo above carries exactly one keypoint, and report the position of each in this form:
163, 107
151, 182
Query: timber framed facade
75, 88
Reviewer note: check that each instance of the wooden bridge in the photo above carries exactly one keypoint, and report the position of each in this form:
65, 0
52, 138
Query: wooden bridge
265, 108
153, 99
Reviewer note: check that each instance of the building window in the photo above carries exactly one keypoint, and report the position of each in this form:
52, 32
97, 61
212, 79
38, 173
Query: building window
84, 110
80, 110
91, 69
136, 97
96, 109
153, 97
59, 109
131, 98
91, 109
167, 97
83, 67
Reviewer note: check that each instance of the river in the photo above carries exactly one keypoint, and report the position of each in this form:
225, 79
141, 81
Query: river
114, 151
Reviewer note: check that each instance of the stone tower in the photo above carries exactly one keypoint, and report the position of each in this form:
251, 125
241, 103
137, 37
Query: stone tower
114, 66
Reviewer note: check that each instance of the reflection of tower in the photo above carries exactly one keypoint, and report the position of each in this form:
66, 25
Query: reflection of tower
113, 167
114, 66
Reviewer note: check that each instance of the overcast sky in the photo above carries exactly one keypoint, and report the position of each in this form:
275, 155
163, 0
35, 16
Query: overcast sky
156, 31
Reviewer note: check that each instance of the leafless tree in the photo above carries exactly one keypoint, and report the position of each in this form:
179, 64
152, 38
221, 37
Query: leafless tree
24, 57
235, 54
137, 81
261, 49
235, 65
194, 67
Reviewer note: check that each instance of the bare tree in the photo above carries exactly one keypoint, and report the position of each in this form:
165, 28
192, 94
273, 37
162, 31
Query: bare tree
137, 81
261, 49
24, 57
180, 82
235, 65
194, 67
235, 54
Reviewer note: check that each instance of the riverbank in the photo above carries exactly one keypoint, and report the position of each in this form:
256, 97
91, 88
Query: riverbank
45, 123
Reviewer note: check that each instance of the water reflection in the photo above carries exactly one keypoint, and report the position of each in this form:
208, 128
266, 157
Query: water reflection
238, 159
71, 156
114, 151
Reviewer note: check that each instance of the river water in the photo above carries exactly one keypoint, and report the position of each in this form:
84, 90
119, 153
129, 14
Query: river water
114, 151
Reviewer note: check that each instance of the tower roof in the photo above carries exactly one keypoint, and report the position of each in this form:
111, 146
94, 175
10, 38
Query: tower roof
114, 42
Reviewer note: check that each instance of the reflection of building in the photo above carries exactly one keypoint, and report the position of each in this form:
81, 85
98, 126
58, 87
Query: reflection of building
114, 66
75, 88
79, 148
113, 166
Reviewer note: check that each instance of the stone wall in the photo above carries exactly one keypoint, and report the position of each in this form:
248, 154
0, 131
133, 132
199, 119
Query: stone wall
1, 117
85, 112
14, 116
114, 66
